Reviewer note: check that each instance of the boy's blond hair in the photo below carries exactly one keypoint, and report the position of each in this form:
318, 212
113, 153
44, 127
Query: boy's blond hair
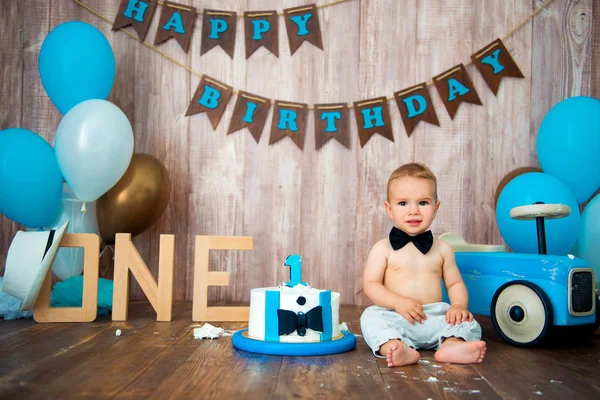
413, 170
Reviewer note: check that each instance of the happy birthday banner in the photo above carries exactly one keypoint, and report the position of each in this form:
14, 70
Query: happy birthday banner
372, 116
261, 28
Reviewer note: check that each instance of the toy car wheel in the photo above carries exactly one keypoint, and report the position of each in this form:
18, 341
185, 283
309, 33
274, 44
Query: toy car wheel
521, 313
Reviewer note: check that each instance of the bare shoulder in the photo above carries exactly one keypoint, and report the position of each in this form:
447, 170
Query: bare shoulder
443, 248
380, 250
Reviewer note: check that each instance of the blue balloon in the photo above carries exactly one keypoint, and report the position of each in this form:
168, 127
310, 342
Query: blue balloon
588, 243
521, 235
568, 145
30, 181
76, 63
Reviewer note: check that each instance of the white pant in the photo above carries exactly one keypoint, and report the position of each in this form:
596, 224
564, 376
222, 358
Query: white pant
379, 325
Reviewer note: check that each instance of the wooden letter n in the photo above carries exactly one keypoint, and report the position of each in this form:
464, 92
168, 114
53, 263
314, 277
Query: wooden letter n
127, 258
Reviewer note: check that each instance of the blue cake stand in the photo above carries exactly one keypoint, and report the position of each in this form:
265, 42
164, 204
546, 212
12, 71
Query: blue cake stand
345, 343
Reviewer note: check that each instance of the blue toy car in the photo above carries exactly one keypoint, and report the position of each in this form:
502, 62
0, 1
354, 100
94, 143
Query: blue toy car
525, 294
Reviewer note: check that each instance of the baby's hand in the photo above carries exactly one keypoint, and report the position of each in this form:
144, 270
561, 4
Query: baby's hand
458, 315
411, 310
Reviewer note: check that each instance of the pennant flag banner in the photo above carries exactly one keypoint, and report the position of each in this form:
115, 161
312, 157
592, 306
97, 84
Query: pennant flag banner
211, 97
261, 28
250, 112
218, 29
302, 24
176, 20
455, 87
495, 62
373, 116
289, 119
415, 105
332, 121
138, 14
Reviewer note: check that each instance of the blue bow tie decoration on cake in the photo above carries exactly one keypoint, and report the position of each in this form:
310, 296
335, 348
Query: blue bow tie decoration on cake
289, 321
422, 241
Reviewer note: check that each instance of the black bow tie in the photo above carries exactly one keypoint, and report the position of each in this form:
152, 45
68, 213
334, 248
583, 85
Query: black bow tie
399, 239
289, 321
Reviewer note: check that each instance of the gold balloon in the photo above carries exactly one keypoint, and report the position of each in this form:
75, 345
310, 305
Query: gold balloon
136, 201
509, 177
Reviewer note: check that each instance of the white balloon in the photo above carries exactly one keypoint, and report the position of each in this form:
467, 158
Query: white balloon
94, 146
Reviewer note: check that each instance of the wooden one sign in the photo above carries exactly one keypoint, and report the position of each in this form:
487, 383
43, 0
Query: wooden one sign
160, 294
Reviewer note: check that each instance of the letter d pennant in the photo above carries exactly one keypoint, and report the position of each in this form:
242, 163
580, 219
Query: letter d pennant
211, 97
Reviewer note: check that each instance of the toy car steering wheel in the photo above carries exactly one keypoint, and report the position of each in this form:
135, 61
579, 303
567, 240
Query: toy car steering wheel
540, 211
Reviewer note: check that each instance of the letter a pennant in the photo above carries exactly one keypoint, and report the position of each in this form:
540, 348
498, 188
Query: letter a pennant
455, 87
211, 97
176, 20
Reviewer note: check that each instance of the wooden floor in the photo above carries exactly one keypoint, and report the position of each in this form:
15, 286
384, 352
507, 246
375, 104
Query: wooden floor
162, 360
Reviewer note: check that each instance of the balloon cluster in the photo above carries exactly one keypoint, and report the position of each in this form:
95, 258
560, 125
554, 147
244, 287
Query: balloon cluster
93, 153
568, 149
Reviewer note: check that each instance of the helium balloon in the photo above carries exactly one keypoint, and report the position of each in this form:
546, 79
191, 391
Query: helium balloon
94, 145
76, 63
568, 145
521, 235
30, 179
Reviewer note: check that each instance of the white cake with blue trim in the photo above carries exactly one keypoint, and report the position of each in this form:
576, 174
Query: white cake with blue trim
294, 312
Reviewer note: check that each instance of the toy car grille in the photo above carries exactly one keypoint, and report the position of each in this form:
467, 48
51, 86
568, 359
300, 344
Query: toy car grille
581, 292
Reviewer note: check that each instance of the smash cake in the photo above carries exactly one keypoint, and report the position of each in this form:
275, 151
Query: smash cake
294, 319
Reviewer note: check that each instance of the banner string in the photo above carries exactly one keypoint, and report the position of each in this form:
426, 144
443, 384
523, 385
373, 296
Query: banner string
310, 107
333, 3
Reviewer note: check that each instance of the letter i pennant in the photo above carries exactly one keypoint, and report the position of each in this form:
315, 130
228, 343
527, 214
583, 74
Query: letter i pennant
137, 13
218, 29
415, 105
289, 119
495, 62
250, 112
176, 20
373, 116
302, 24
455, 87
211, 97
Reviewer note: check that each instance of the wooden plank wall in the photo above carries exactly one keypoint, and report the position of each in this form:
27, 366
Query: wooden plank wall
326, 205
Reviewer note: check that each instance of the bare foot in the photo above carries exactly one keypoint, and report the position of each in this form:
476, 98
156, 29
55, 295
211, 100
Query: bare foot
460, 352
398, 354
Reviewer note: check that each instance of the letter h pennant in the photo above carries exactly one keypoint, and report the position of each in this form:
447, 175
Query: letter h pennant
302, 24
176, 20
211, 97
218, 29
373, 116
137, 13
415, 105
